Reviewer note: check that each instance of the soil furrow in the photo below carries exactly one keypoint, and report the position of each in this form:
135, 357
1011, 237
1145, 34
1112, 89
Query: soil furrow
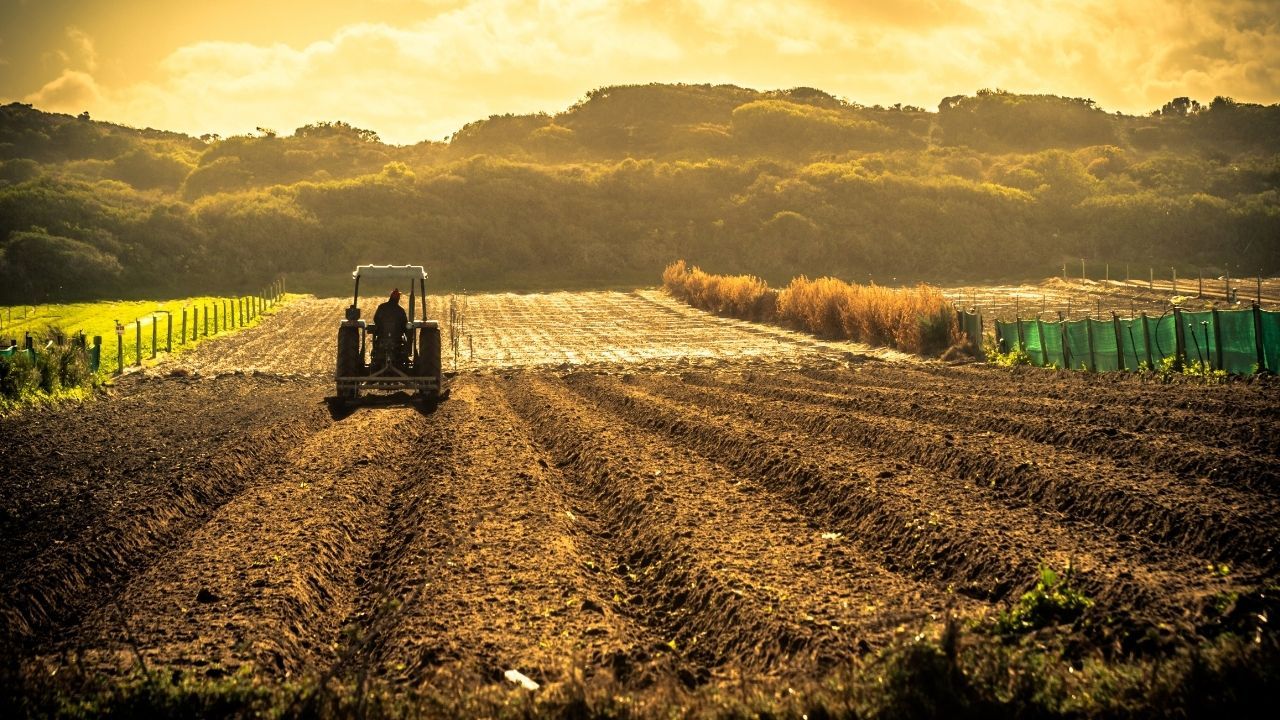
153, 488
1220, 524
932, 526
268, 579
487, 566
666, 587
744, 557
1151, 415
869, 419
1097, 391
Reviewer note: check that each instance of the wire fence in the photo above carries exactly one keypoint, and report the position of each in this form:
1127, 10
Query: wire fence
146, 336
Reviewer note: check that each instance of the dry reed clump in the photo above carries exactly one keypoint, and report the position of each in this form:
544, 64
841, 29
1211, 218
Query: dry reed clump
741, 296
917, 320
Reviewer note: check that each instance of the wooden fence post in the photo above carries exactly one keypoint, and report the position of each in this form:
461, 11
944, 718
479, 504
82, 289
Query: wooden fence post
1179, 340
1217, 339
137, 331
1044, 346
168, 336
1066, 354
1088, 334
1257, 338
1115, 322
1146, 341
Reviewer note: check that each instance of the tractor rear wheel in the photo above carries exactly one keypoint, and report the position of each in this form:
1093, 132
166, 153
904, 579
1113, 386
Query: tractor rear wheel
427, 362
348, 359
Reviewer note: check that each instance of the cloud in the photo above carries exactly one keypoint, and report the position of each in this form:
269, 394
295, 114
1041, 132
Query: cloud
71, 92
83, 53
408, 83
475, 58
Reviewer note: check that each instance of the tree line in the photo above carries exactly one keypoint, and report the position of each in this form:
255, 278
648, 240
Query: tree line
993, 186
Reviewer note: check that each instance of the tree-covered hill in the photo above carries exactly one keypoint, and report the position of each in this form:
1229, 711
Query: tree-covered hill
989, 186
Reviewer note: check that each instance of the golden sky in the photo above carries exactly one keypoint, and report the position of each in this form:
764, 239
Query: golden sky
420, 69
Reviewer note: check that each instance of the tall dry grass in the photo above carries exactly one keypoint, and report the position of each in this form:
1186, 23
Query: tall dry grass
741, 296
917, 320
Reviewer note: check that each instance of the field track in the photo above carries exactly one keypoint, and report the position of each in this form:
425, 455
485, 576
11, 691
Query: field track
617, 483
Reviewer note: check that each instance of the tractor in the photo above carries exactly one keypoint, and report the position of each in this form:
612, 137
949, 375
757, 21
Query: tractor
408, 360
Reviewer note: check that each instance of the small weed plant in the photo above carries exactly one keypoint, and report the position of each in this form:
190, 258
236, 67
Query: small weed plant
1052, 601
1016, 356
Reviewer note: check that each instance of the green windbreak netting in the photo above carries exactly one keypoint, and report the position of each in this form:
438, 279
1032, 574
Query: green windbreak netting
1078, 346
1105, 353
1133, 345
1197, 329
1228, 341
1031, 342
1239, 343
971, 326
1271, 340
1052, 339
1006, 336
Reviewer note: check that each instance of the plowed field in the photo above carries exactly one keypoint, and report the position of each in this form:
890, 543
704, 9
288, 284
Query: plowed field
618, 485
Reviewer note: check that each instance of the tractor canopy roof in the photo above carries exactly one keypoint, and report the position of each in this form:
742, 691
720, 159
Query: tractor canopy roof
396, 274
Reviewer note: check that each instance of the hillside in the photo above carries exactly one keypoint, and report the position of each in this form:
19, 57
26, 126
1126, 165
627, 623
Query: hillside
989, 186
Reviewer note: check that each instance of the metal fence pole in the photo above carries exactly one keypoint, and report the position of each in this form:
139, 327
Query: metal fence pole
137, 331
119, 348
1174, 270
154, 341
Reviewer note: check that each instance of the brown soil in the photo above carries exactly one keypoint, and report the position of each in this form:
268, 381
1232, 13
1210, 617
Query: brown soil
617, 483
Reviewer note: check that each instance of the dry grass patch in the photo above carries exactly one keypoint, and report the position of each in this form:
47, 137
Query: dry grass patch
917, 320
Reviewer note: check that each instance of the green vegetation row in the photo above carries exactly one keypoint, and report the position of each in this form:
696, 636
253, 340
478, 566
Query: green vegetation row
64, 364
785, 183
918, 320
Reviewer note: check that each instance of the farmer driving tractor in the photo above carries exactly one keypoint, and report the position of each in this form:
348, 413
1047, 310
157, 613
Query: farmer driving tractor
390, 321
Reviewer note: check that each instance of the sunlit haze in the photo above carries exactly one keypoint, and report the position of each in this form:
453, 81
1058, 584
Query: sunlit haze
415, 70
